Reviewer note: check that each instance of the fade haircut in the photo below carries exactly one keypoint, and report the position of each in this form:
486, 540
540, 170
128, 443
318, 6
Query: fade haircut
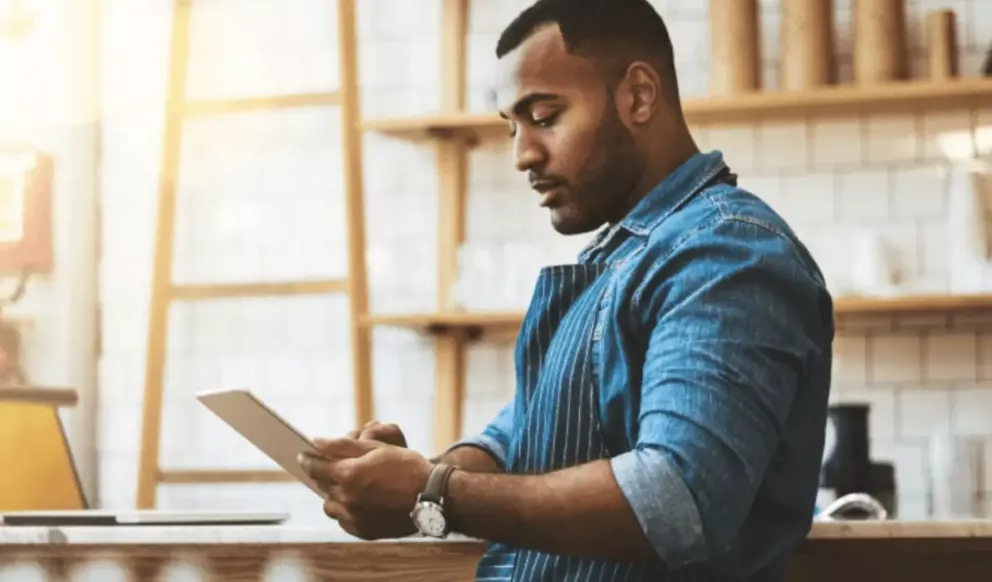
613, 32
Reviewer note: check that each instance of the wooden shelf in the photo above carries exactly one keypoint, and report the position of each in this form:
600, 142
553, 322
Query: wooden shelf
440, 323
39, 395
912, 304
772, 106
472, 323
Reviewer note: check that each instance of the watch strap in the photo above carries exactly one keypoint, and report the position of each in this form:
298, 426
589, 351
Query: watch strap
437, 483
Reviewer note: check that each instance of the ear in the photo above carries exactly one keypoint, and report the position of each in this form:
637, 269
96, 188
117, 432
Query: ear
643, 87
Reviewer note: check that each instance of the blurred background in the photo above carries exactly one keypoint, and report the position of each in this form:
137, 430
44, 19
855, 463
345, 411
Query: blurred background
367, 252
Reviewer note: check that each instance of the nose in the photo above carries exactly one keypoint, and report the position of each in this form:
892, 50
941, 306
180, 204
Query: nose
528, 154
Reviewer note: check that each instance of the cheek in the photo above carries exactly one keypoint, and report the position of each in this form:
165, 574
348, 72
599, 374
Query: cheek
570, 151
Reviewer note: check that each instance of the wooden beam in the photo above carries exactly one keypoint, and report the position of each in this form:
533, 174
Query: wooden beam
158, 320
198, 292
274, 102
351, 146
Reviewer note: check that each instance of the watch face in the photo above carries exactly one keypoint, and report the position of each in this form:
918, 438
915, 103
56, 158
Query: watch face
429, 519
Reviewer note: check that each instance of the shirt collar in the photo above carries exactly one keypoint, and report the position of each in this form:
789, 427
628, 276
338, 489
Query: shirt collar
664, 199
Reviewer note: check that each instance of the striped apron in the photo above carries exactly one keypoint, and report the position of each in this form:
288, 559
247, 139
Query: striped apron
558, 416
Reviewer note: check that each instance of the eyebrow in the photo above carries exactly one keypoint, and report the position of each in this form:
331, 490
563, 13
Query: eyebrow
523, 105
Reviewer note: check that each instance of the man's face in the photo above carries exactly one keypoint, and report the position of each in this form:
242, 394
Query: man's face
567, 136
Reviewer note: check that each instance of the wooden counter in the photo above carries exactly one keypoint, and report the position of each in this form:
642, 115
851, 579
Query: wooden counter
852, 552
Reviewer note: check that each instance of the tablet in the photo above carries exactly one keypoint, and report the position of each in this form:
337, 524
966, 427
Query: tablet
265, 429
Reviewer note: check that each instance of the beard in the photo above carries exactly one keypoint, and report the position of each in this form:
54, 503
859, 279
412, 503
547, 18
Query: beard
601, 191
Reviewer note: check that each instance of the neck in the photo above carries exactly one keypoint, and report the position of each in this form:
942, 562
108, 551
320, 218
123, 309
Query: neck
660, 163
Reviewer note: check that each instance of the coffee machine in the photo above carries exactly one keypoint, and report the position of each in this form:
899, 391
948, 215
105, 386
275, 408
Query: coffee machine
847, 467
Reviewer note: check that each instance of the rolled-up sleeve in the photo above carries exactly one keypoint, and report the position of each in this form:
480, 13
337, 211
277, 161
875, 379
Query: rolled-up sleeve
735, 318
495, 438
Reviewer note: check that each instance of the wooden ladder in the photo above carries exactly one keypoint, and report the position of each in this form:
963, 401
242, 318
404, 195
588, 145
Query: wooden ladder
164, 291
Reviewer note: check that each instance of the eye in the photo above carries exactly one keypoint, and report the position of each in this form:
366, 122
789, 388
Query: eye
546, 121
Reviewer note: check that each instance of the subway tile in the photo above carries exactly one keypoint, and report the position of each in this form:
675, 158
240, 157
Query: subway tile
978, 24
912, 507
483, 365
947, 135
895, 358
984, 339
972, 410
783, 146
836, 143
919, 192
919, 322
767, 187
909, 460
489, 17
972, 62
810, 198
864, 196
691, 41
950, 357
892, 138
403, 19
738, 144
903, 245
983, 131
850, 360
985, 479
922, 412
934, 248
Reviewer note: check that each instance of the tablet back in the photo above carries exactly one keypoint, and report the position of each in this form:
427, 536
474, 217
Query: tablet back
262, 427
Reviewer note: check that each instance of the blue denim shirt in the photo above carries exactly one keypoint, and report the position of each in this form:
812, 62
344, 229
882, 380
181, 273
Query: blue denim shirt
713, 357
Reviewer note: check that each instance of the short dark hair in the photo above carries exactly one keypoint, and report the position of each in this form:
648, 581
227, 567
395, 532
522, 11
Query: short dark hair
617, 32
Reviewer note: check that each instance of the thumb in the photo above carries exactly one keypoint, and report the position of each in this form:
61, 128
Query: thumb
344, 448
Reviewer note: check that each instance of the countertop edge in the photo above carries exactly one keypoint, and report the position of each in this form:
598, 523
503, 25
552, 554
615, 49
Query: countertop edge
299, 535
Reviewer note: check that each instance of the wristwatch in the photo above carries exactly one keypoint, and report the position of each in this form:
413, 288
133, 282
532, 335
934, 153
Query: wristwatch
428, 513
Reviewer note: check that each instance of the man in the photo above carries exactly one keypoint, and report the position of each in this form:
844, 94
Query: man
672, 386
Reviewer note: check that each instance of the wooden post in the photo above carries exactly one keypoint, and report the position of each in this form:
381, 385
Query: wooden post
807, 45
351, 142
158, 324
880, 45
735, 59
942, 45
449, 361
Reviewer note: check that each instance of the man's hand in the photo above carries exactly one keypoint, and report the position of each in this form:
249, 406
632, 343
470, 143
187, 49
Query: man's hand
371, 486
376, 431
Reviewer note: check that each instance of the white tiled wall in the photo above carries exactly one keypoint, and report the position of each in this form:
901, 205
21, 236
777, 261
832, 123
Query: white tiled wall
255, 190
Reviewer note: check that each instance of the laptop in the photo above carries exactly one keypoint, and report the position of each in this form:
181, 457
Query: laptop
104, 518
69, 505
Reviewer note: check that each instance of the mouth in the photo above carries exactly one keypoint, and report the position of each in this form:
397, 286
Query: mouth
548, 191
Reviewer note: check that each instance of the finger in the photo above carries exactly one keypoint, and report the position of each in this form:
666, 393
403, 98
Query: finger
371, 423
333, 492
385, 433
354, 434
317, 468
327, 472
345, 448
337, 511
376, 432
349, 527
